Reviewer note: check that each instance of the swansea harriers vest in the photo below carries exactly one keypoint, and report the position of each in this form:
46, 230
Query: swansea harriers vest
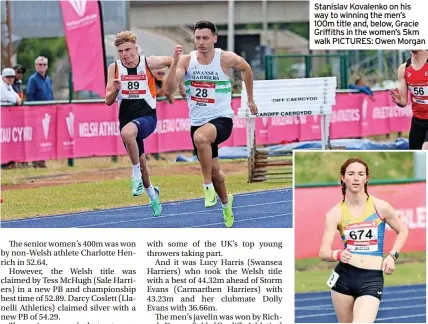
208, 89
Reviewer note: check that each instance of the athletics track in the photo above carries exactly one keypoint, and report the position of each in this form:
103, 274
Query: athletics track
264, 209
400, 304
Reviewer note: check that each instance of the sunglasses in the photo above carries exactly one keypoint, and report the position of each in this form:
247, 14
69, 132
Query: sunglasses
42, 64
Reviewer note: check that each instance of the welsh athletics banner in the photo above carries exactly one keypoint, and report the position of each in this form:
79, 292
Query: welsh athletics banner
84, 36
30, 133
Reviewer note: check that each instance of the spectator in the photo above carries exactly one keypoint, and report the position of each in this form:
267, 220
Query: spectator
8, 95
160, 77
362, 86
17, 85
39, 86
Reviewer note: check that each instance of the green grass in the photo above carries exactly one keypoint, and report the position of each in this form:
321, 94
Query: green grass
60, 167
311, 274
112, 193
321, 167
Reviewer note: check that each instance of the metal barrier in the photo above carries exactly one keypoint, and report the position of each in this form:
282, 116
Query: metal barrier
290, 97
291, 66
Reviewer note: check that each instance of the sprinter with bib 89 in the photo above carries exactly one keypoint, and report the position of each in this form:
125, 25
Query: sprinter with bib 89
209, 96
357, 281
131, 83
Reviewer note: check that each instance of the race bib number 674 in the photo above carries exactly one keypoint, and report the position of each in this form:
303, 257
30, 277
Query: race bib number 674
362, 237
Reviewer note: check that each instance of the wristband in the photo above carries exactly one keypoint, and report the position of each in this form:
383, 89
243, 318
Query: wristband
337, 255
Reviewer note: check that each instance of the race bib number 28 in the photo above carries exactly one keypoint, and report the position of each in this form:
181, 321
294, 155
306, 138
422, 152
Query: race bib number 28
202, 92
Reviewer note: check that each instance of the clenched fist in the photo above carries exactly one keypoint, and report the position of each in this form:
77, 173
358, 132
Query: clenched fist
116, 84
388, 265
177, 53
346, 256
253, 107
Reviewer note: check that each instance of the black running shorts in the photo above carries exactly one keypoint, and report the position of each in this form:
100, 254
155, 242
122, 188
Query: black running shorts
418, 133
224, 126
357, 282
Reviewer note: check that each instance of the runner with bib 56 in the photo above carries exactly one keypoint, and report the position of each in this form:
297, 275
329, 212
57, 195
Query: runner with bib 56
413, 76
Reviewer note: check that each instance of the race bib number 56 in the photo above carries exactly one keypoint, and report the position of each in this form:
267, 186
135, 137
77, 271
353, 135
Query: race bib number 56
362, 237
202, 92
419, 90
420, 94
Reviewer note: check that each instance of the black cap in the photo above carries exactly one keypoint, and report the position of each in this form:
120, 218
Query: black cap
19, 67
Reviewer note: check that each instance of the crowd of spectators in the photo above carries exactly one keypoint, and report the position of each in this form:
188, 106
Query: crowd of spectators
15, 90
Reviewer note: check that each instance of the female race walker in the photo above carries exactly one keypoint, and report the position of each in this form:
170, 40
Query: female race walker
357, 281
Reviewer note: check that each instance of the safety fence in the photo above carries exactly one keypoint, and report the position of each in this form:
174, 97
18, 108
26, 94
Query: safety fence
290, 66
75, 130
312, 203
374, 66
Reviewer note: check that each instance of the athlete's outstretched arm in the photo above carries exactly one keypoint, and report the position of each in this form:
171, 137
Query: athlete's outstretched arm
158, 62
113, 86
176, 72
331, 223
237, 63
400, 97
391, 218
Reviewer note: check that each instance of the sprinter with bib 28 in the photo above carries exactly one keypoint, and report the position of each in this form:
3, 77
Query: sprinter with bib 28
209, 95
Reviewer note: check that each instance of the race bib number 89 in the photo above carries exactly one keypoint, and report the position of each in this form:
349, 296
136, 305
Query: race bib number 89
133, 86
362, 237
202, 92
